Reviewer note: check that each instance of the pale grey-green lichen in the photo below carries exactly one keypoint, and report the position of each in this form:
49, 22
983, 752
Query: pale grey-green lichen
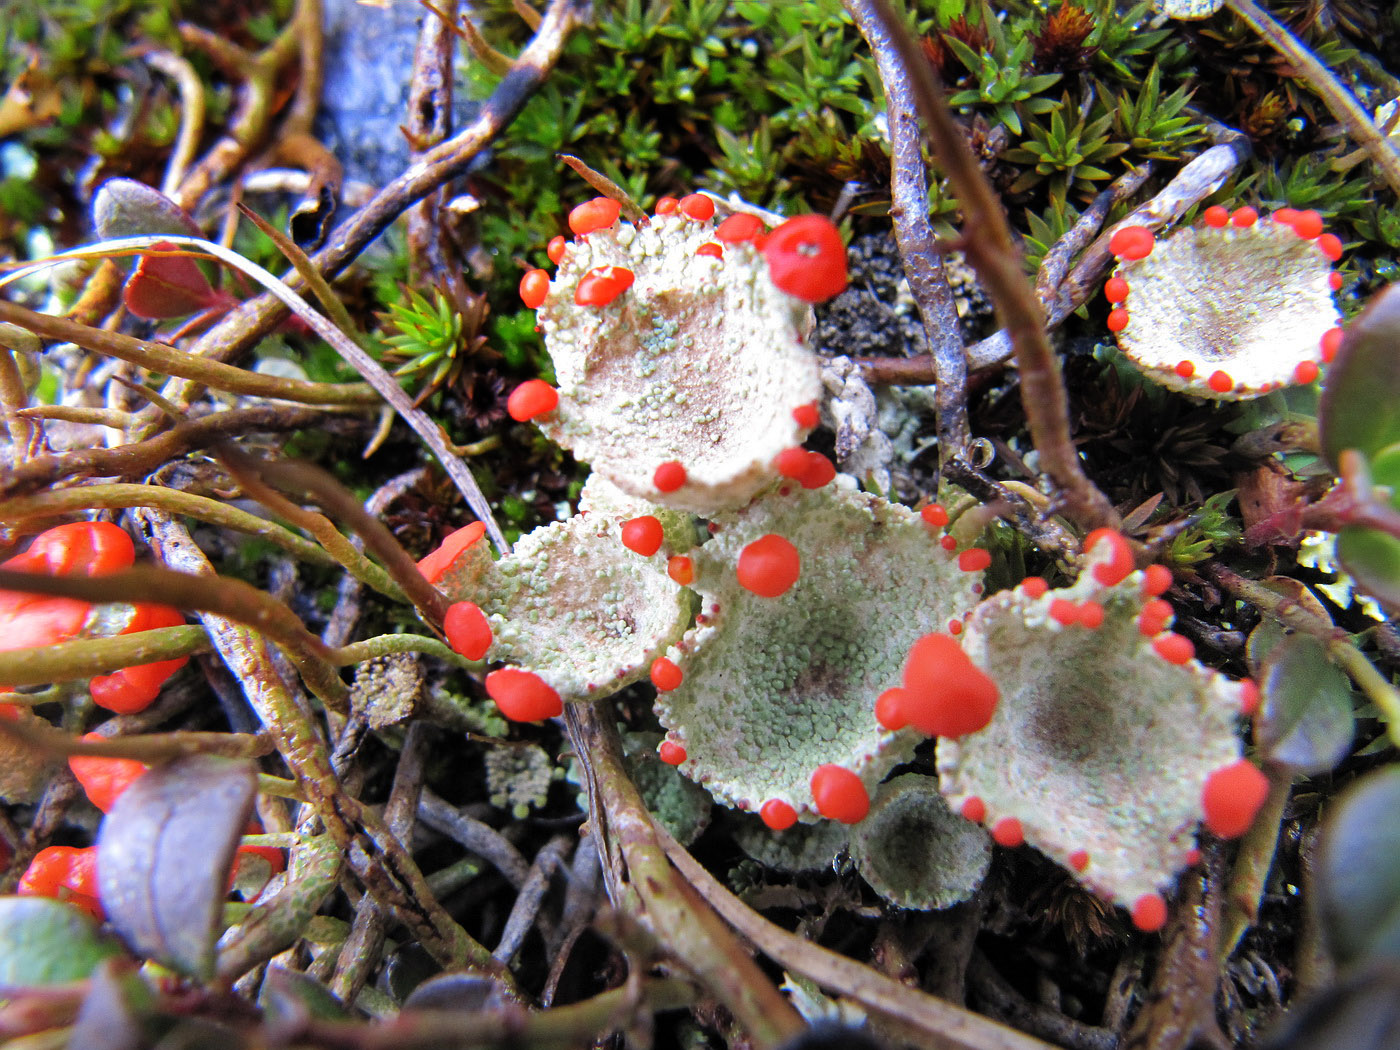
701, 362
1098, 743
518, 777
1252, 302
775, 687
914, 851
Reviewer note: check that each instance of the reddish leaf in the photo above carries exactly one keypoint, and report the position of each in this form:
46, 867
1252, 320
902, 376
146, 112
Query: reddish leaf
168, 286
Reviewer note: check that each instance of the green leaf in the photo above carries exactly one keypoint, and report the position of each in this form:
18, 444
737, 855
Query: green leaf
1305, 720
1357, 893
45, 942
1373, 560
1361, 395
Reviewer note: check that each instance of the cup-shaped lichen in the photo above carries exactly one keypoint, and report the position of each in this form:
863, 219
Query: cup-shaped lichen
1232, 308
1103, 746
682, 368
809, 601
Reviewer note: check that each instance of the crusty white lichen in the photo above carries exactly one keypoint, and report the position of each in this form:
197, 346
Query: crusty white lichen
1250, 302
701, 362
776, 687
916, 852
573, 605
1098, 743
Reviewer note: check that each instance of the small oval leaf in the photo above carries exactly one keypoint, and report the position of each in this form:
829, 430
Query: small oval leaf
164, 854
45, 942
1373, 559
1357, 890
1361, 395
127, 208
1305, 721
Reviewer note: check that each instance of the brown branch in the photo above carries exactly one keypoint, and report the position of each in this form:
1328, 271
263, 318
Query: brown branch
994, 255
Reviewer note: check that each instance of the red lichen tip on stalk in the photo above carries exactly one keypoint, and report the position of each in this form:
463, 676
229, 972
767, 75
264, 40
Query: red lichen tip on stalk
807, 258
1079, 859
807, 416
711, 249
467, 629
666, 205
1185, 369
1244, 217
1307, 224
768, 566
974, 559
889, 710
80, 548
665, 675
1034, 586
104, 779
1115, 289
1220, 382
602, 284
1008, 832
1154, 618
934, 515
669, 476
1331, 246
1331, 343
777, 814
839, 794
1120, 563
697, 206
1064, 612
1117, 320
681, 569
523, 696
791, 462
534, 288
1174, 648
643, 535
439, 561
1091, 615
1149, 912
1305, 373
1216, 216
945, 693
973, 809
1232, 797
1132, 242
1156, 580
671, 753
948, 543
597, 214
531, 399
1249, 697
739, 228
556, 248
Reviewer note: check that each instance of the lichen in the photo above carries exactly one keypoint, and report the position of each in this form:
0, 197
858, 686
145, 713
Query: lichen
518, 777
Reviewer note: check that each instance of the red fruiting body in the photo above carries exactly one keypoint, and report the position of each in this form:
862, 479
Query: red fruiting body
1117, 320
1034, 586
1331, 343
948, 543
1287, 216
523, 696
439, 561
532, 398
1115, 289
1154, 618
1150, 912
665, 675
597, 214
777, 814
1231, 798
671, 753
806, 258
1305, 373
1249, 697
534, 286
1331, 246
817, 471
1307, 224
839, 794
711, 249
697, 206
889, 710
1244, 217
602, 284
935, 515
666, 205
133, 689
556, 248
1120, 563
1008, 832
1156, 579
1185, 369
1334, 281
643, 535
1132, 242
945, 693
1091, 615
768, 566
669, 476
955, 627
973, 809
81, 548
791, 462
1064, 612
974, 559
1220, 382
1174, 648
1216, 216
467, 629
1193, 857
104, 779
1079, 859
739, 228
681, 569
64, 873
807, 415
